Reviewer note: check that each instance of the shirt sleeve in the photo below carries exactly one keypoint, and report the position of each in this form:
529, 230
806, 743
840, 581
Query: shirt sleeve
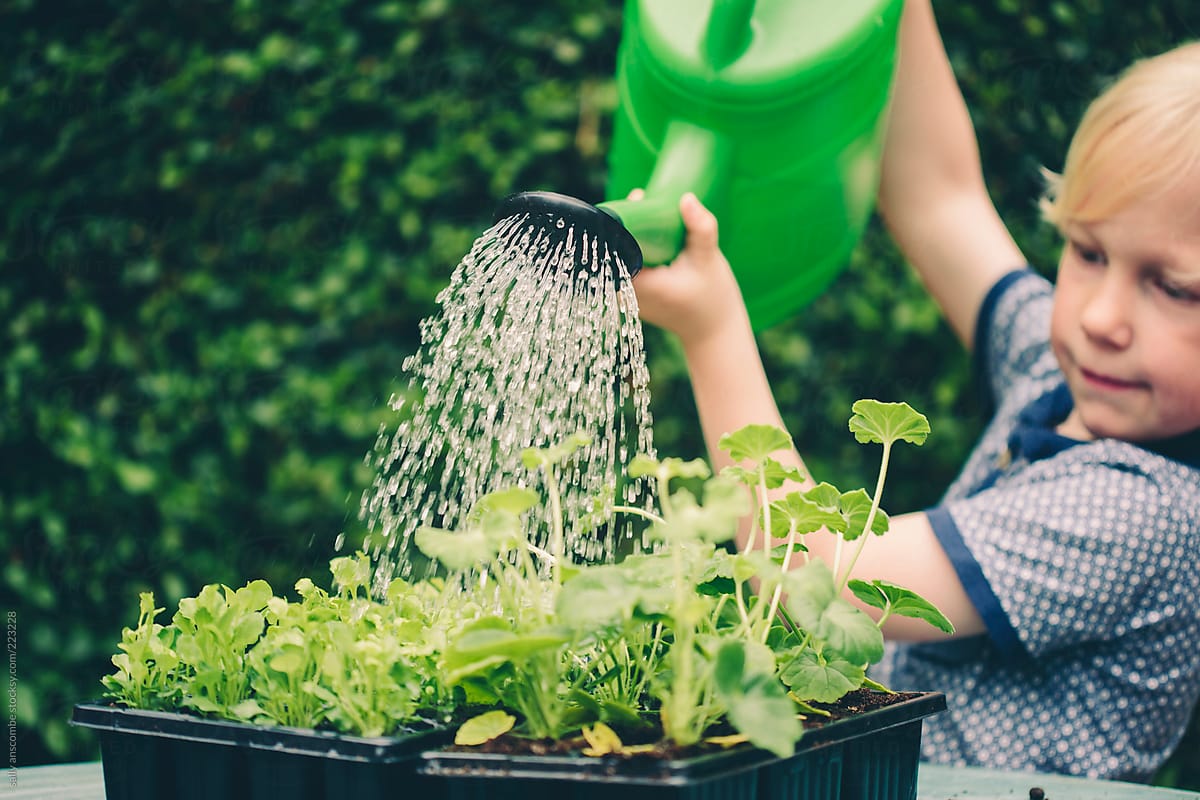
1069, 553
1012, 334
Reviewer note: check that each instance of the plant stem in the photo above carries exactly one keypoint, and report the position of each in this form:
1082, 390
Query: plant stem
681, 691
765, 502
883, 467
556, 523
787, 619
740, 597
778, 593
547, 556
639, 512
678, 721
664, 495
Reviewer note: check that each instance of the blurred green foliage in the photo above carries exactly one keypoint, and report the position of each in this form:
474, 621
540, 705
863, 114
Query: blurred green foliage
223, 221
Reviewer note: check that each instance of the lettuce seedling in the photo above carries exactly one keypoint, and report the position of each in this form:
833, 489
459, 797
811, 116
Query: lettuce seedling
147, 673
216, 629
342, 660
517, 654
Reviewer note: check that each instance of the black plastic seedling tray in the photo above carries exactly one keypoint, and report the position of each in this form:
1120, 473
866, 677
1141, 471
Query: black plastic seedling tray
153, 755
870, 756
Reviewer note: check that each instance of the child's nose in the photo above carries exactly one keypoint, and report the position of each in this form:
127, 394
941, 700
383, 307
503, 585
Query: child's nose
1106, 316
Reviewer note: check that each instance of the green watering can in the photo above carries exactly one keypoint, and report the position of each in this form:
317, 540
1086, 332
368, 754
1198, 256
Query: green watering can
773, 113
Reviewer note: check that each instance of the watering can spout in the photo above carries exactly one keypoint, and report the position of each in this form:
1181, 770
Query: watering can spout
649, 230
772, 113
693, 159
560, 216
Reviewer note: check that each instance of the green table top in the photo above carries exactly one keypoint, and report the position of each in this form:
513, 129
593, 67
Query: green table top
972, 783
86, 782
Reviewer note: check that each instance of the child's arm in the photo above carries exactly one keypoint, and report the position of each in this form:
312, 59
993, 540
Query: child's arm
932, 194
935, 203
697, 298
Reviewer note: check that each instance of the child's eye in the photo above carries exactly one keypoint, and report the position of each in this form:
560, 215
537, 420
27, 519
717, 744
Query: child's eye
1177, 292
1086, 254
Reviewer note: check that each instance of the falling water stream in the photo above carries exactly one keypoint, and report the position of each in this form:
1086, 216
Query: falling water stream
537, 338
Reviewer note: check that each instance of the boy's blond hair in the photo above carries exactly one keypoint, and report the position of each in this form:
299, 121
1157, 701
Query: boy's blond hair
1140, 137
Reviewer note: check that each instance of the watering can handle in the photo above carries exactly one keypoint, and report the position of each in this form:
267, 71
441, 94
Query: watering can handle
692, 159
728, 32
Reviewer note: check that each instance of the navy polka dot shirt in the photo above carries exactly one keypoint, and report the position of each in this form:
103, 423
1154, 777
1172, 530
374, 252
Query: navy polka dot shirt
1082, 558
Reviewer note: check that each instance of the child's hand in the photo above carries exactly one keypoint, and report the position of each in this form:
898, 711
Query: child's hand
696, 295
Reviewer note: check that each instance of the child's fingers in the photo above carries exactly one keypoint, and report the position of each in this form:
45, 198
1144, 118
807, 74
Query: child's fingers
700, 223
636, 194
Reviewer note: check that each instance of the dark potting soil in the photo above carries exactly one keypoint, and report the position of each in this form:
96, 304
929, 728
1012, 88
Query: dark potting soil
857, 702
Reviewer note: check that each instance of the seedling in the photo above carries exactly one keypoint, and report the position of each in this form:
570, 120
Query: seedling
707, 642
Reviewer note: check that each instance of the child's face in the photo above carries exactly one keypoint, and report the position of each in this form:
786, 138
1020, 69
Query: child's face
1126, 323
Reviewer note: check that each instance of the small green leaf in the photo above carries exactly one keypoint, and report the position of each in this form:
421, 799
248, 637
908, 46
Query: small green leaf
642, 466
247, 630
534, 457
882, 423
901, 601
458, 551
798, 512
597, 596
289, 660
769, 471
246, 710
254, 596
745, 566
755, 442
725, 502
678, 468
516, 500
350, 573
851, 633
483, 728
876, 686
825, 495
814, 678
487, 639
855, 507
807, 709
869, 593
776, 474
602, 740
810, 589
780, 550
146, 605
757, 703
204, 704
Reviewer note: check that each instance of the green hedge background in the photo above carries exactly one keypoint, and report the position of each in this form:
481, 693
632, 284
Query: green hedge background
222, 222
